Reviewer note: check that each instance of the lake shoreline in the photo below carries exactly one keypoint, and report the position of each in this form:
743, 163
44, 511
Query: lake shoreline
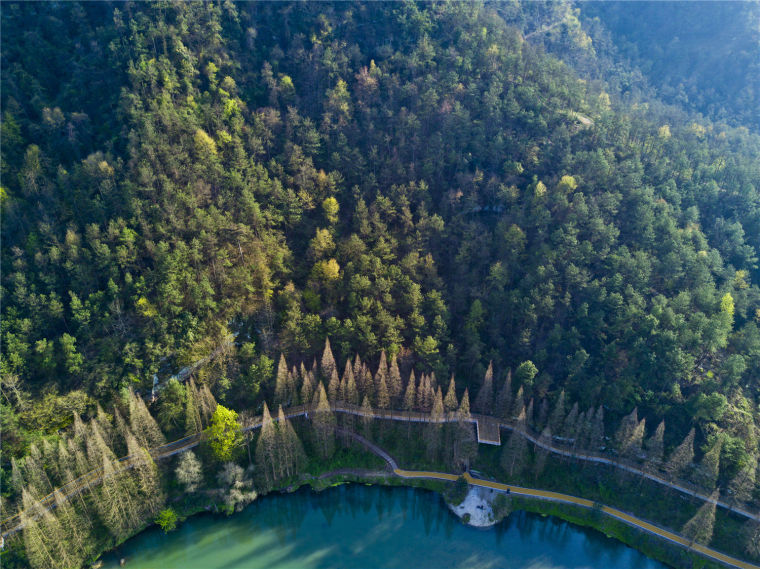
649, 546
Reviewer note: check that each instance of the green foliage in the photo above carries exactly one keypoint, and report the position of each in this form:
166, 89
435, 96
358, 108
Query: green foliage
167, 520
224, 436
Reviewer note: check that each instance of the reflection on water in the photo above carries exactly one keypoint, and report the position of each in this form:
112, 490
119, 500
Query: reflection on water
360, 526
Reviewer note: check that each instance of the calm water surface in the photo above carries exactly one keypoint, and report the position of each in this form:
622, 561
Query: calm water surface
371, 527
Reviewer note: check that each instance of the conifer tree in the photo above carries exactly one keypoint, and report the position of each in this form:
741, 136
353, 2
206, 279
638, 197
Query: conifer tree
518, 404
366, 414
450, 403
434, 427
266, 448
307, 388
328, 362
281, 381
357, 370
410, 396
596, 438
752, 539
207, 404
292, 449
106, 428
115, 500
425, 394
699, 529
352, 393
368, 382
706, 474
292, 388
571, 423
142, 423
543, 414
395, 386
465, 445
193, 423
333, 388
656, 447
97, 448
324, 424
742, 485
542, 453
382, 371
529, 413
484, 400
504, 398
625, 437
557, 417
464, 404
38, 482
515, 451
43, 536
76, 530
383, 396
681, 457
145, 474
347, 371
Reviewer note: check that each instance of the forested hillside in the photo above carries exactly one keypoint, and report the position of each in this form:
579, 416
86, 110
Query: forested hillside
247, 180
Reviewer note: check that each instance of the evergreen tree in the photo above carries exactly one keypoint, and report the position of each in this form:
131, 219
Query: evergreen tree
382, 372
484, 400
192, 413
434, 428
366, 414
681, 457
557, 418
145, 473
324, 424
281, 381
504, 398
596, 438
328, 365
450, 403
410, 396
307, 388
333, 388
266, 449
518, 404
142, 423
44, 539
699, 529
207, 404
395, 386
752, 538
515, 451
706, 474
542, 453
383, 396
742, 485
292, 449
655, 446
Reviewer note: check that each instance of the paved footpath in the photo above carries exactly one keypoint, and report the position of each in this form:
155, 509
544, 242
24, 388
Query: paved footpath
566, 498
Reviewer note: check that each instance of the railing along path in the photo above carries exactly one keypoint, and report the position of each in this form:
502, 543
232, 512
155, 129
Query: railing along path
485, 426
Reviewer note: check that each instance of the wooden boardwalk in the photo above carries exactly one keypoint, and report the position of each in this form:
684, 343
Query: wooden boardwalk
488, 432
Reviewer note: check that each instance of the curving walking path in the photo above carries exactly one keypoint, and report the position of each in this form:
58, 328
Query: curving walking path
566, 498
488, 432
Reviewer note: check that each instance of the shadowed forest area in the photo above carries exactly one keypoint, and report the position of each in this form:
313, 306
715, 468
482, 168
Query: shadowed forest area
545, 194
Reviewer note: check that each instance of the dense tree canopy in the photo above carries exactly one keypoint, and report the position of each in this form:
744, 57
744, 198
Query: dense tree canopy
183, 180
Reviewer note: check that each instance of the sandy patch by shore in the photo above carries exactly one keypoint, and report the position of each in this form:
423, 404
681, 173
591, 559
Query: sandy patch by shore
477, 503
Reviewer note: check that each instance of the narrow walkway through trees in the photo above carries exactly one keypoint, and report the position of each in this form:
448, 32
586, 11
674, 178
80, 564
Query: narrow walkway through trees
488, 432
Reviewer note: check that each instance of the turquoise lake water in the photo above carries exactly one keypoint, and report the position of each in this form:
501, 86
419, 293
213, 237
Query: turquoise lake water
371, 527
